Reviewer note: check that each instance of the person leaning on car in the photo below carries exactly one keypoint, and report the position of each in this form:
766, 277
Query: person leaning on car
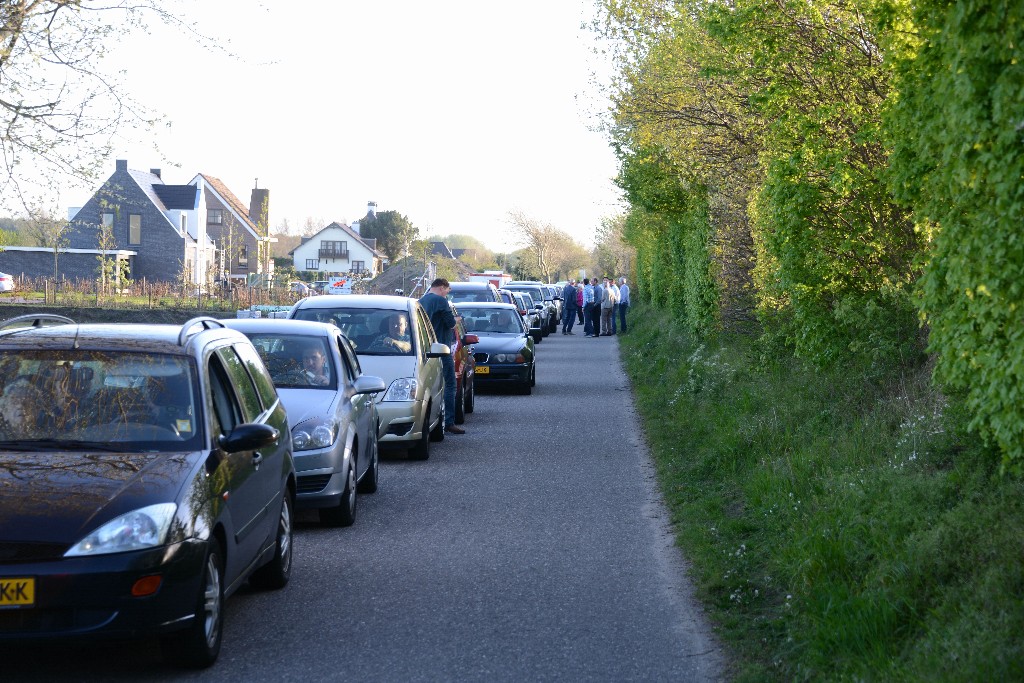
439, 310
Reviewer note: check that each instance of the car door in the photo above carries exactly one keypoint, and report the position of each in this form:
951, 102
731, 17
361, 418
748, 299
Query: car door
255, 474
353, 408
429, 369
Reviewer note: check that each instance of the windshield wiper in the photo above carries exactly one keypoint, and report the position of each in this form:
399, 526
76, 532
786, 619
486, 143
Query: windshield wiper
30, 445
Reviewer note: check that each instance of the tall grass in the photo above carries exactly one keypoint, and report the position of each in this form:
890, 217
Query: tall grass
839, 527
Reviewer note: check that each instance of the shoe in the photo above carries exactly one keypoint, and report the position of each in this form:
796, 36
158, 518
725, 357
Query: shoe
570, 332
454, 429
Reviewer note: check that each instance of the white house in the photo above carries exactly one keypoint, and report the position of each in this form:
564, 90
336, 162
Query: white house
338, 249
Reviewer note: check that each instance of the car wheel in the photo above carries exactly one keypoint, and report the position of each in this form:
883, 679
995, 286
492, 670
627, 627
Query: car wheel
421, 450
275, 574
525, 388
470, 402
538, 338
368, 484
344, 513
437, 433
460, 402
198, 645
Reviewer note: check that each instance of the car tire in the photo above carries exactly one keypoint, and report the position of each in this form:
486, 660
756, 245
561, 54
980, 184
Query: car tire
198, 645
275, 574
368, 484
460, 402
470, 401
437, 433
421, 449
344, 513
525, 388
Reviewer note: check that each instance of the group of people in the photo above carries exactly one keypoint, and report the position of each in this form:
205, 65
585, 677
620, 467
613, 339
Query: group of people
601, 306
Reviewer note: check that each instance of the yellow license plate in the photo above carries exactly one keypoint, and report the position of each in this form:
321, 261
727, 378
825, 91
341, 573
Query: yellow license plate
483, 370
17, 592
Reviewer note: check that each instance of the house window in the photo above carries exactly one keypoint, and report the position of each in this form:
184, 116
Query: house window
333, 249
134, 228
358, 266
107, 220
243, 256
184, 224
312, 264
214, 217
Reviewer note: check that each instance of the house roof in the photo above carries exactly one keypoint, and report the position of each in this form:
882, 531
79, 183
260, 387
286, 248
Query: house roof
370, 244
167, 197
227, 197
441, 249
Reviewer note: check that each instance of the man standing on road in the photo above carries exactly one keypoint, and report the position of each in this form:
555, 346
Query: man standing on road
569, 307
623, 303
595, 307
615, 301
435, 303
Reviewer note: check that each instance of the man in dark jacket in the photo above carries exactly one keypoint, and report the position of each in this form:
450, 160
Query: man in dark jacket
569, 307
435, 303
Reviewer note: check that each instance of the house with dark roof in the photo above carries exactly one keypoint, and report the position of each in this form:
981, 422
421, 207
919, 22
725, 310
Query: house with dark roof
338, 249
199, 232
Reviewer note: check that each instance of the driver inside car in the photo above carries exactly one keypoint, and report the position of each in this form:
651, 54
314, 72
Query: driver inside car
314, 366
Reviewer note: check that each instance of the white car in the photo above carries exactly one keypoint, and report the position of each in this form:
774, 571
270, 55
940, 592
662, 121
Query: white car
411, 411
330, 408
6, 283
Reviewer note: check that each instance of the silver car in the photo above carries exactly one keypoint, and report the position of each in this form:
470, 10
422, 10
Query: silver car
331, 412
395, 341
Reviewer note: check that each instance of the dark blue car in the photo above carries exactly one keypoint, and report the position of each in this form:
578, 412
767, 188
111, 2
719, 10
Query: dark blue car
504, 353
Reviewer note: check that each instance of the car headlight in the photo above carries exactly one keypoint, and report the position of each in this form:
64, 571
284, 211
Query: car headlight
313, 434
509, 358
402, 389
143, 528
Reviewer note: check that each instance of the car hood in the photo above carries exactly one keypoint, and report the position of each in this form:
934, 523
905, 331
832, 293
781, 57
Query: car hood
499, 343
58, 497
306, 404
389, 368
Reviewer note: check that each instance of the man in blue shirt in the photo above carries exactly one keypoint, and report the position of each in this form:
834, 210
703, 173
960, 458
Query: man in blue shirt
623, 303
435, 303
588, 304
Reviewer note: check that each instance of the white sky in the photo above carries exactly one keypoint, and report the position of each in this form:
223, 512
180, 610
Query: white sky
452, 112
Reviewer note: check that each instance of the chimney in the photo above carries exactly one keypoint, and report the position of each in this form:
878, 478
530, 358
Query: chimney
259, 208
371, 208
155, 171
355, 227
121, 165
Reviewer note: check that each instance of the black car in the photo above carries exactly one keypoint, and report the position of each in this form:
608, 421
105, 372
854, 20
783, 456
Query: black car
146, 473
473, 291
504, 351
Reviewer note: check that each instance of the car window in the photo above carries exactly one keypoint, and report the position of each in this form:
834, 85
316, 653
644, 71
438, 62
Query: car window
246, 392
346, 361
296, 360
364, 327
226, 413
258, 372
99, 396
426, 332
349, 354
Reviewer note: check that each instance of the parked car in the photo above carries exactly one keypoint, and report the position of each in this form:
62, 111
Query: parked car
504, 353
301, 288
411, 410
6, 283
331, 412
541, 295
465, 371
146, 474
473, 291
534, 317
556, 296
319, 286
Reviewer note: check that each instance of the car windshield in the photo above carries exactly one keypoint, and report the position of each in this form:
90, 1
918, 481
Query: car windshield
461, 295
536, 292
296, 361
492, 320
373, 331
108, 400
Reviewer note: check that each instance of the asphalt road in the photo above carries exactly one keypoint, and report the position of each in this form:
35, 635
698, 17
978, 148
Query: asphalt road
533, 548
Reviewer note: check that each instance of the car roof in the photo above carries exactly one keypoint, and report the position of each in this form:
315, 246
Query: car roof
470, 285
470, 305
306, 328
397, 303
169, 339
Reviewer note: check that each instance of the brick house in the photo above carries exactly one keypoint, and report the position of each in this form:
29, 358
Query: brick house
199, 232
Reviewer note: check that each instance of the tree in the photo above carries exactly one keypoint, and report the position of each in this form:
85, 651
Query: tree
59, 111
552, 251
49, 231
393, 231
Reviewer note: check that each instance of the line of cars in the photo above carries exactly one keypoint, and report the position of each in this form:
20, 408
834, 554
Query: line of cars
147, 472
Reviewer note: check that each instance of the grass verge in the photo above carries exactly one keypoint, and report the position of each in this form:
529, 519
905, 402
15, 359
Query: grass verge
838, 528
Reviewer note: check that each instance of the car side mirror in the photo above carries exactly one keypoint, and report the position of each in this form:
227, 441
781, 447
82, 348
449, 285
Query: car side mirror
368, 384
248, 437
470, 339
437, 349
